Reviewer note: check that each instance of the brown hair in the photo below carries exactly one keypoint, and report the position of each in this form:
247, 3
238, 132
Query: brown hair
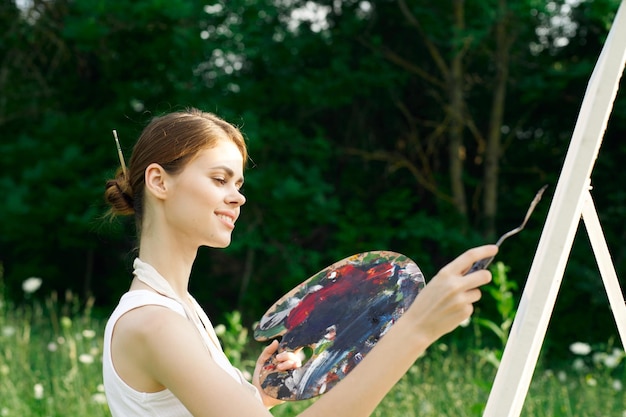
171, 140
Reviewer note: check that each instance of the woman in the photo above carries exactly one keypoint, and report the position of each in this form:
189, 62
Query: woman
183, 186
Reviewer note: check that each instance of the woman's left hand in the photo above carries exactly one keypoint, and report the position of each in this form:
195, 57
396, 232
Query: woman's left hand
286, 361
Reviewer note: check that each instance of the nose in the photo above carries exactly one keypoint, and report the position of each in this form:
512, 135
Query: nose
237, 198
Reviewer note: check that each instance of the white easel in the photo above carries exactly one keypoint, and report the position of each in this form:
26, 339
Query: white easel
572, 200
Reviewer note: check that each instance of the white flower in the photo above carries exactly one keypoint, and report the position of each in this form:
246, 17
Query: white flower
85, 358
611, 361
617, 385
89, 334
591, 381
8, 331
580, 348
220, 330
561, 376
618, 352
52, 347
579, 364
598, 357
426, 407
38, 391
32, 284
99, 398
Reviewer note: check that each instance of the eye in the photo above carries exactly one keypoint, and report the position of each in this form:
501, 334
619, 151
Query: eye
220, 180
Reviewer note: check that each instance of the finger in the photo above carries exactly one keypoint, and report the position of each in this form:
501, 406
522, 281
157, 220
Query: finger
478, 278
292, 357
290, 354
474, 295
464, 262
269, 351
287, 365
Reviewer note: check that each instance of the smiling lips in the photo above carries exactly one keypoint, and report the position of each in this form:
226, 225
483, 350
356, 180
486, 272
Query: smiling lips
228, 219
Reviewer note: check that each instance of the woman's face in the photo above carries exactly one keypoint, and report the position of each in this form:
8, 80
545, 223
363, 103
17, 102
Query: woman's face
205, 200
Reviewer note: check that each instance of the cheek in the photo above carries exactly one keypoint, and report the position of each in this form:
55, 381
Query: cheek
187, 207
198, 204
194, 201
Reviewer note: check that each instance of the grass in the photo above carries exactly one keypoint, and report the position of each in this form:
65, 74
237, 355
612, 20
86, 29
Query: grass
446, 382
50, 359
50, 365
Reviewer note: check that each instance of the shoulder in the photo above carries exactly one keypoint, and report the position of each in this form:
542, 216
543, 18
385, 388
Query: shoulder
141, 315
142, 321
146, 335
150, 329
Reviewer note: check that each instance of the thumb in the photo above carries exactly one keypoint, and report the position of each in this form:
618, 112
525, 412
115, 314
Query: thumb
269, 351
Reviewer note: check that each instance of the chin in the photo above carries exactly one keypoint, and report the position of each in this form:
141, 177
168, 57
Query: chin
217, 240
219, 244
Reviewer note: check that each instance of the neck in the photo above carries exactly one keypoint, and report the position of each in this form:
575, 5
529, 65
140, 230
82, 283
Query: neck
172, 260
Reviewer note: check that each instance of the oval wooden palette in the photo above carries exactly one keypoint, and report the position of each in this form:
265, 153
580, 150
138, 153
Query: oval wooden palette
337, 315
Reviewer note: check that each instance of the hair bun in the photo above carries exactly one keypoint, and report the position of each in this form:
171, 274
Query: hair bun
119, 195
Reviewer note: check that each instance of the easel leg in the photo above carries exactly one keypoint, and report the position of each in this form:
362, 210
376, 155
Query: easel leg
605, 264
570, 199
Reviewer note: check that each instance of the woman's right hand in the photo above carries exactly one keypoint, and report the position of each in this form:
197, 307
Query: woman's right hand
447, 300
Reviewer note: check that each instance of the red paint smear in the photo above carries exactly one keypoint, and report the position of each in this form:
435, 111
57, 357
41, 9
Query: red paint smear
347, 279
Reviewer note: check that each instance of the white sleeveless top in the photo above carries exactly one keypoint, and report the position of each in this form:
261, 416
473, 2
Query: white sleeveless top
123, 400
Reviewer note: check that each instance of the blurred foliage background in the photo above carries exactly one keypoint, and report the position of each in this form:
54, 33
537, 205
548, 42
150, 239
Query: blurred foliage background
420, 127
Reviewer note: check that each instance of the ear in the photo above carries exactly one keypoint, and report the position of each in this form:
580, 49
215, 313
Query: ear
155, 179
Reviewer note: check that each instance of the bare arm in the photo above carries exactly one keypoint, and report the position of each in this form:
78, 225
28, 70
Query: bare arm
439, 308
167, 349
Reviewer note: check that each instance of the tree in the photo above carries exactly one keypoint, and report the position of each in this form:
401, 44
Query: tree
371, 125
72, 71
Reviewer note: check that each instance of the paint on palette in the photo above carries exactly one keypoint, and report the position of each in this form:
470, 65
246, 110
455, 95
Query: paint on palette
340, 313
